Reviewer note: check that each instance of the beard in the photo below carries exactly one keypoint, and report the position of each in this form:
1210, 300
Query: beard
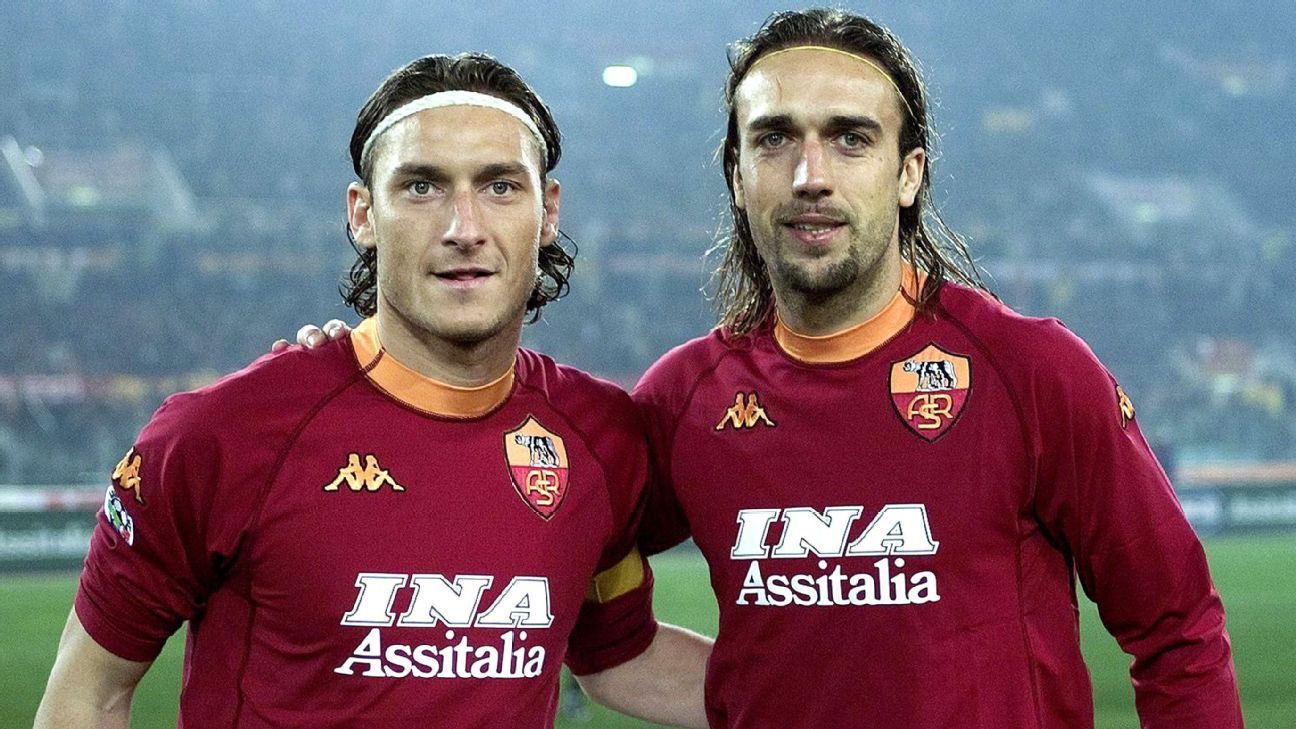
818, 286
807, 276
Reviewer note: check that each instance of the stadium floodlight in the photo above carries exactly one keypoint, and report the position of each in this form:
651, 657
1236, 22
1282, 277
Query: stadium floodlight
620, 77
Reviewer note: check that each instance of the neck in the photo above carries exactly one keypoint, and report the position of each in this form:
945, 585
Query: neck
859, 302
460, 364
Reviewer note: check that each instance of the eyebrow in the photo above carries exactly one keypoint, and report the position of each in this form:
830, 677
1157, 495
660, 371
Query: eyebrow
770, 122
851, 121
839, 122
415, 169
502, 169
436, 173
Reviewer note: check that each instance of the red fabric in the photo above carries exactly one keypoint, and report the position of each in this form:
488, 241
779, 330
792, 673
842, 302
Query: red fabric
1035, 482
238, 535
600, 639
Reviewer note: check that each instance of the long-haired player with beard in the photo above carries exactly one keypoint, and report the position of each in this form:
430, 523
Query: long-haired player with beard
896, 480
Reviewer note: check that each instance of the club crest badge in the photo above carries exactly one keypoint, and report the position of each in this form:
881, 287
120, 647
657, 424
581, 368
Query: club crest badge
929, 390
537, 460
118, 517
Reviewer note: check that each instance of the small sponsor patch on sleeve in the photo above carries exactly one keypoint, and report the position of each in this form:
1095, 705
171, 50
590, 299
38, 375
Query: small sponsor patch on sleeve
120, 519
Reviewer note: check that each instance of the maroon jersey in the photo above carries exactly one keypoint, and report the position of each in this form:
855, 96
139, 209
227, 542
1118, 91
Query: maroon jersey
893, 517
357, 545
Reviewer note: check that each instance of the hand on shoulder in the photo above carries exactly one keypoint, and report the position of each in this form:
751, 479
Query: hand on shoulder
311, 336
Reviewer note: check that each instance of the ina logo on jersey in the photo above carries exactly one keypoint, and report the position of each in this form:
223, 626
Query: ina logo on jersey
897, 534
446, 605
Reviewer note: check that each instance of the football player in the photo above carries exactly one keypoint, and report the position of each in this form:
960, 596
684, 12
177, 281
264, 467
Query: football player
418, 524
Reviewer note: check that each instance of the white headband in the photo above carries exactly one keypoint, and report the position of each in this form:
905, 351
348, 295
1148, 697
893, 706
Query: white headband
455, 98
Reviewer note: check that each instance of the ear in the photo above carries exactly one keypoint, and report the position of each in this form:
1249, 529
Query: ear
359, 206
549, 222
911, 175
739, 195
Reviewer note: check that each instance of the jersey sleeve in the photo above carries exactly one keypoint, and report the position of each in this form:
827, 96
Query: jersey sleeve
163, 537
1100, 490
616, 621
664, 524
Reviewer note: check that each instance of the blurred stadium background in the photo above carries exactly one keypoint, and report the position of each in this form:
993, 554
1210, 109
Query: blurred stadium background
171, 199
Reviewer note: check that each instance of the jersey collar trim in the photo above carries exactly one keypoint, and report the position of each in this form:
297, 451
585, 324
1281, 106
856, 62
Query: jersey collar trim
858, 340
419, 391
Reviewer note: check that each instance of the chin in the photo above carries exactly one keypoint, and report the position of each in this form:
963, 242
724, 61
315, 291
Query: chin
820, 280
468, 334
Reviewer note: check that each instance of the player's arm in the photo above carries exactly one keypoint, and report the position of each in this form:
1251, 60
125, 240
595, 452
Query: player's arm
1102, 491
663, 524
664, 684
88, 686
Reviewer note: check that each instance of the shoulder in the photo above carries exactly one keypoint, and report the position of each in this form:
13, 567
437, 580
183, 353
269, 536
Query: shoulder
1041, 354
271, 393
1032, 340
675, 373
211, 445
588, 401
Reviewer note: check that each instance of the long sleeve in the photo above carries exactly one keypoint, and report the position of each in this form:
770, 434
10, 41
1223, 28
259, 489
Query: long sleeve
1101, 492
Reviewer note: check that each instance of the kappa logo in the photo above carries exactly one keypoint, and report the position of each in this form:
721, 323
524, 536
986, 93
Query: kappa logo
1126, 406
537, 460
369, 477
127, 474
929, 390
745, 413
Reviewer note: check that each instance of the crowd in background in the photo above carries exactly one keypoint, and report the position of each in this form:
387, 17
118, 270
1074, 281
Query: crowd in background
172, 182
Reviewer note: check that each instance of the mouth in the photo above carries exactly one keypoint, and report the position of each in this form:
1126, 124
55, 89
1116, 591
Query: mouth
813, 229
468, 277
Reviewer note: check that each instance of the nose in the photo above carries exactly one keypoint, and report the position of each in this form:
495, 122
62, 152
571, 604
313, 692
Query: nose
466, 229
811, 180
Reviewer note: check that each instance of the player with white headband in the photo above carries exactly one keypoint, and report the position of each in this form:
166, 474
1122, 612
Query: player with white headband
416, 525
442, 99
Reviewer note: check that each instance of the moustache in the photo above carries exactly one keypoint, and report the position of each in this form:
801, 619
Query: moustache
788, 212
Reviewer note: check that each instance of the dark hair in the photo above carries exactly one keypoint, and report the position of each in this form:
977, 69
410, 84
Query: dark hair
744, 295
464, 72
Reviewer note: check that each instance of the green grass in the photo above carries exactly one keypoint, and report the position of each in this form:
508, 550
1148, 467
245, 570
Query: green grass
1253, 574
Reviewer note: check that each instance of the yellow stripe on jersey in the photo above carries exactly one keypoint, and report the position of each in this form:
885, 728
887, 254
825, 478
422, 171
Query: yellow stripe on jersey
617, 580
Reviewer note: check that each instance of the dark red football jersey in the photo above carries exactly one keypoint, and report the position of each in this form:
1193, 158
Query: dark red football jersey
894, 516
357, 545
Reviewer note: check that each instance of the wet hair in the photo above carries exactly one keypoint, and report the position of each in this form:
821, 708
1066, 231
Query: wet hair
464, 72
743, 293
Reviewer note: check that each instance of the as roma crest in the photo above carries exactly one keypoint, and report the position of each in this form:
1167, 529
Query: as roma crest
537, 462
929, 390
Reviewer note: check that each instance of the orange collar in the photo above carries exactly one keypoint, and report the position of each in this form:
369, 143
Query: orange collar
858, 340
421, 392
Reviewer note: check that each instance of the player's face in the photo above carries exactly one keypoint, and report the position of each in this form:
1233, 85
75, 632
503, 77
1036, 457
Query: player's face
458, 214
819, 175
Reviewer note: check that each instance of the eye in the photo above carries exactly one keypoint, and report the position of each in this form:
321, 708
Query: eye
502, 187
852, 139
772, 140
420, 187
